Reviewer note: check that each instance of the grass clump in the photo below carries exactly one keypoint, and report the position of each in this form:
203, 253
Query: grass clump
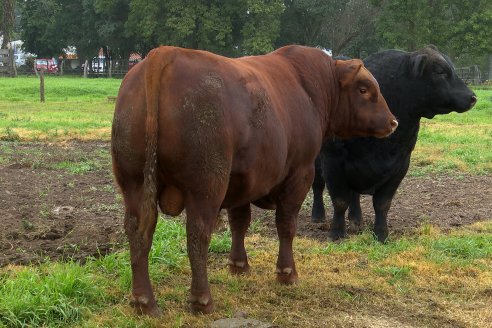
53, 294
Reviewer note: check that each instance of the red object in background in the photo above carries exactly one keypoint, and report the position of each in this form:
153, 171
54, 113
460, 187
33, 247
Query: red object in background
49, 65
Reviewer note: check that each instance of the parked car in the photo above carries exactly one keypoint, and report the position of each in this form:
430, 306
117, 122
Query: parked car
49, 65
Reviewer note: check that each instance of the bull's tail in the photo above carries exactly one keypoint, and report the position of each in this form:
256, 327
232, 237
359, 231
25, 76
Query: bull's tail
157, 60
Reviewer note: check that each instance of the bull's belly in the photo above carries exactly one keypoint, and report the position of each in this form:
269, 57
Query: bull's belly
244, 189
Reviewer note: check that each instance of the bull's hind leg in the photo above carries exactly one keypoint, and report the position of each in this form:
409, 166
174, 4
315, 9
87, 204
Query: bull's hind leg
239, 220
139, 227
201, 216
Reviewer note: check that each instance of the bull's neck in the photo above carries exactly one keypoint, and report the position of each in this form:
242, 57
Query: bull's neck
324, 92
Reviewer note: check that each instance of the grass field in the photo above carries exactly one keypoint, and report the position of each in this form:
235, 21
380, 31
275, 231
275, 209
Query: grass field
78, 108
426, 279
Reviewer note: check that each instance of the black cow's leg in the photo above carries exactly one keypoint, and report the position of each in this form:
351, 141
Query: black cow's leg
289, 202
381, 205
340, 204
239, 219
355, 213
381, 202
139, 227
201, 216
318, 211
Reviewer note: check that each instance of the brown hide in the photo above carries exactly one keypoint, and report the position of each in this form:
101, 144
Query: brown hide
199, 131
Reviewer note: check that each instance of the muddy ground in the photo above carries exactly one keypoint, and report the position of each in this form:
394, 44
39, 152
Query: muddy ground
59, 201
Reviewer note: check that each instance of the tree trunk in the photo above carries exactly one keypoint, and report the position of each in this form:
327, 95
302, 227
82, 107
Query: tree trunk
110, 68
61, 66
8, 22
13, 68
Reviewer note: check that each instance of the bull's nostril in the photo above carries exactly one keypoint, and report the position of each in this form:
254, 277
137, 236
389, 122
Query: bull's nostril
473, 101
394, 124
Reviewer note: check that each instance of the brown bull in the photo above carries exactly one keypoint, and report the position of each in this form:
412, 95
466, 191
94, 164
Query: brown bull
197, 131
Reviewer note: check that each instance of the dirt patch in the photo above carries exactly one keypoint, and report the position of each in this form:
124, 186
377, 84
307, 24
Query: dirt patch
59, 201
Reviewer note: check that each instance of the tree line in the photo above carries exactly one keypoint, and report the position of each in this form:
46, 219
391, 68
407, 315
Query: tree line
247, 27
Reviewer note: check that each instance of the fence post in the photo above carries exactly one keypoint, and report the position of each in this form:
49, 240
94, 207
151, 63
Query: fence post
86, 68
41, 85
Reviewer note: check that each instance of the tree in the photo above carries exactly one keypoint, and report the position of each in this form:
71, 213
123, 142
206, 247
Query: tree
39, 30
451, 24
7, 22
338, 25
262, 26
111, 16
227, 27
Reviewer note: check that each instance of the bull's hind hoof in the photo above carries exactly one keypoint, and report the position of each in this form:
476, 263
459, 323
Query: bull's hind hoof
201, 304
143, 306
238, 267
286, 276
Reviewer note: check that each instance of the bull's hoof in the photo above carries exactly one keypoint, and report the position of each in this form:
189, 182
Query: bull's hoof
238, 267
336, 235
286, 276
145, 306
201, 304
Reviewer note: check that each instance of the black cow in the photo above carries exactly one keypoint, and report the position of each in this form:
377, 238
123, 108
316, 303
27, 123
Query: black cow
415, 85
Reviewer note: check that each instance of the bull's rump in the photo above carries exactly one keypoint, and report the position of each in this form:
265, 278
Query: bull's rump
234, 125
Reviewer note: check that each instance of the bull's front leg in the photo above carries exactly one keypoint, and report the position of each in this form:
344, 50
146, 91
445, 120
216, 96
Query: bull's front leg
200, 220
239, 220
289, 203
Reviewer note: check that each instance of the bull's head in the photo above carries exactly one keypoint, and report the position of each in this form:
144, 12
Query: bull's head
362, 107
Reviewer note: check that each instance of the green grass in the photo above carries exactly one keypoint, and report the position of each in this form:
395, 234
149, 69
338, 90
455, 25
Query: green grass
74, 108
78, 108
95, 294
406, 278
456, 142
54, 294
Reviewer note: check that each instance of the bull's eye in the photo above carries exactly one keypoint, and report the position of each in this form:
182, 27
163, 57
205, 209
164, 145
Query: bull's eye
363, 90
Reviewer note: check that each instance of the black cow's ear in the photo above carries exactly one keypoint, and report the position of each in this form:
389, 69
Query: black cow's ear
418, 63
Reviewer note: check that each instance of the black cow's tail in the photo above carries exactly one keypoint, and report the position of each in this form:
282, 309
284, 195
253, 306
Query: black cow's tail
156, 63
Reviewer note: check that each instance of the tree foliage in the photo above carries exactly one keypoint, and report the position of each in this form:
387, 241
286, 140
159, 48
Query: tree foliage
246, 27
454, 25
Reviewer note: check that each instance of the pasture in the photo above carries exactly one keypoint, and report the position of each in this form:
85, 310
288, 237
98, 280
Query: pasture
64, 260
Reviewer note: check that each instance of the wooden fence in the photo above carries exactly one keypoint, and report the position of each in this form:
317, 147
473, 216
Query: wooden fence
7, 63
470, 74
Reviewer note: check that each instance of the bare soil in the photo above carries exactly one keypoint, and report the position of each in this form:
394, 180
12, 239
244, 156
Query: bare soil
59, 201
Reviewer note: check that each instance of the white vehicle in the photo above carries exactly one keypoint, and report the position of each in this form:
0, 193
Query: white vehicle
20, 59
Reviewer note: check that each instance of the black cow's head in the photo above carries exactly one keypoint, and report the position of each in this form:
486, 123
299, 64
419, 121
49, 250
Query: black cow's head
441, 89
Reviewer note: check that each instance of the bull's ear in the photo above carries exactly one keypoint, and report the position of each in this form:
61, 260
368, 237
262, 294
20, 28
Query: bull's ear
417, 64
347, 70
